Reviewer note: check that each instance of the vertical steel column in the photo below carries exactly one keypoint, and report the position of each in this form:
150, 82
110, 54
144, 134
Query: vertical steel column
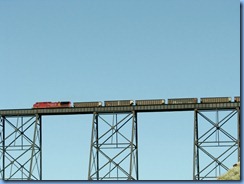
195, 148
3, 147
94, 153
33, 148
40, 147
113, 151
134, 145
136, 137
239, 133
97, 145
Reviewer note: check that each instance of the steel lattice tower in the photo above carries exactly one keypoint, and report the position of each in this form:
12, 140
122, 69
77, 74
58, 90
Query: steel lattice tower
114, 148
216, 143
21, 148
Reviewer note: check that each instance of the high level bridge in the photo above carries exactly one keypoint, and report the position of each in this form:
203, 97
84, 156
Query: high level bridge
21, 139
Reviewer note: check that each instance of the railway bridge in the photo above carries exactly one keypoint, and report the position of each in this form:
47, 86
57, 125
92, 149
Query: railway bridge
21, 139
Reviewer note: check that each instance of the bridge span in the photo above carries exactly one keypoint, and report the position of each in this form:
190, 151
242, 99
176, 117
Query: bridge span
120, 109
21, 140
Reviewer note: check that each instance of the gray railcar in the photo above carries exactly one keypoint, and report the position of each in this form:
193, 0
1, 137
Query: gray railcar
119, 103
182, 100
150, 102
87, 104
216, 100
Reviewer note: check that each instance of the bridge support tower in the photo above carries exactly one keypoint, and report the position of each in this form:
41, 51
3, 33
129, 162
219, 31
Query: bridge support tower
216, 142
114, 147
21, 152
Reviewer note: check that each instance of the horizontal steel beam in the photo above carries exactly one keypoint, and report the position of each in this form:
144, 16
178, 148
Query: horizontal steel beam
122, 109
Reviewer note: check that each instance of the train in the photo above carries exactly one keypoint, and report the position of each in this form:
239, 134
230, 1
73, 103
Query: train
114, 103
63, 104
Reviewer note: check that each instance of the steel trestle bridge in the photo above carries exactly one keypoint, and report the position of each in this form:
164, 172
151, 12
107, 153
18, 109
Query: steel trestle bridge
113, 151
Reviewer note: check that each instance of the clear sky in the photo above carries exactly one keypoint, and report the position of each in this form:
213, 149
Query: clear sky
81, 50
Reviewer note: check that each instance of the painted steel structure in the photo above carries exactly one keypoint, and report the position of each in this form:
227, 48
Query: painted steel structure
114, 148
21, 150
216, 143
21, 139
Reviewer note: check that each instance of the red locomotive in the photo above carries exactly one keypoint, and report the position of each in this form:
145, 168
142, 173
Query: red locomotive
52, 104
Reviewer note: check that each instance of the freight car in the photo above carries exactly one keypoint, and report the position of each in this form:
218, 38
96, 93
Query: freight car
63, 104
182, 100
150, 102
216, 100
237, 99
87, 104
119, 103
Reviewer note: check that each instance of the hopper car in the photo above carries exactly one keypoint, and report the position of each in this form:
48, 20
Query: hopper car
182, 100
237, 99
87, 104
119, 103
216, 100
150, 102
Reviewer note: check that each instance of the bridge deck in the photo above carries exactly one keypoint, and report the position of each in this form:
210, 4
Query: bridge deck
122, 109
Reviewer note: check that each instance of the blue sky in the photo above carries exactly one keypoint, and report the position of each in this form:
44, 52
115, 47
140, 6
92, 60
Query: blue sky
107, 50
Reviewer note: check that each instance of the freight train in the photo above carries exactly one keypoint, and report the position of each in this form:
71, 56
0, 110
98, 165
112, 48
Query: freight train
68, 104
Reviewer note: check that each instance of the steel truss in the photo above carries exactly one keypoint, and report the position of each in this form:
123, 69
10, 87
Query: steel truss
20, 152
216, 142
114, 147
